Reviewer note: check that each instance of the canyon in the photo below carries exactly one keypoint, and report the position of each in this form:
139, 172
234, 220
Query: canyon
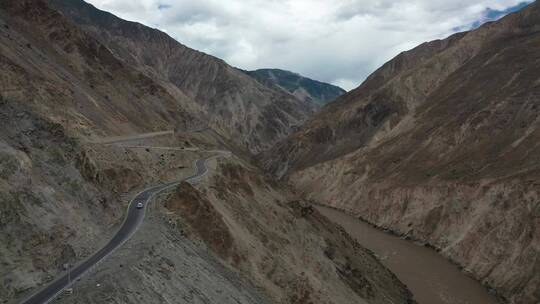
94, 109
440, 146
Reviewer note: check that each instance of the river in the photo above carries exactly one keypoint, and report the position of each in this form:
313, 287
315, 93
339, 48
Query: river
431, 278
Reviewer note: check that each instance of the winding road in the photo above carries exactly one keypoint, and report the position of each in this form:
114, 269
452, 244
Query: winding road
132, 222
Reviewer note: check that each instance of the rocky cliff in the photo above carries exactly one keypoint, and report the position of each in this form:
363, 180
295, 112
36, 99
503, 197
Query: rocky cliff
440, 144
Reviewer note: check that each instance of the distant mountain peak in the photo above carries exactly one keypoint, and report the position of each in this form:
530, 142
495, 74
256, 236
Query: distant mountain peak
302, 87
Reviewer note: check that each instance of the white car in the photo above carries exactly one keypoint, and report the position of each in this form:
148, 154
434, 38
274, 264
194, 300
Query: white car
140, 205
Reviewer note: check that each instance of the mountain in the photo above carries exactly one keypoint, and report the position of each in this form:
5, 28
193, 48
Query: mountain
93, 110
303, 88
440, 144
233, 104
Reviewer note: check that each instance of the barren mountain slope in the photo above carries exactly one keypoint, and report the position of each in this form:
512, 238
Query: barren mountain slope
442, 143
44, 198
235, 104
73, 79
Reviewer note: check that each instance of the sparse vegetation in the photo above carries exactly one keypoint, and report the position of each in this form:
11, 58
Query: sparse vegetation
3, 100
57, 155
54, 128
74, 186
8, 165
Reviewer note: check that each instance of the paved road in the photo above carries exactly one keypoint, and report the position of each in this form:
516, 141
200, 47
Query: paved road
132, 221
126, 138
191, 149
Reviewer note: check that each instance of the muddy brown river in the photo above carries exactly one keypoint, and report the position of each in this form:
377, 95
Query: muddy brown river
431, 278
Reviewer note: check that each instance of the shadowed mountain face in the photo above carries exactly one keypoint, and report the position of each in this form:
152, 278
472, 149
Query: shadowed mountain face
303, 88
232, 103
442, 144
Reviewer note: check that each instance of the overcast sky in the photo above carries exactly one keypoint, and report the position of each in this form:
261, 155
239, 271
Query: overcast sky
337, 41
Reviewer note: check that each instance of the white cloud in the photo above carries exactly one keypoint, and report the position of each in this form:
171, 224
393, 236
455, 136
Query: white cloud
338, 41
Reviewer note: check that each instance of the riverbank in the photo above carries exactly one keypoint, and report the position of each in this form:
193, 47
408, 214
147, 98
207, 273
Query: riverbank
432, 278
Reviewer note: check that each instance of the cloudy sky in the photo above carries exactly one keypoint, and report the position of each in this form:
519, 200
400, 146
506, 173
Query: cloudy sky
337, 41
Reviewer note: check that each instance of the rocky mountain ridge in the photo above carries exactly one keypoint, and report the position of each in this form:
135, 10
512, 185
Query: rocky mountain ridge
231, 102
302, 87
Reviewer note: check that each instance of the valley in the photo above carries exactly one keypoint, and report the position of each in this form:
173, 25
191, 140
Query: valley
440, 145
135, 169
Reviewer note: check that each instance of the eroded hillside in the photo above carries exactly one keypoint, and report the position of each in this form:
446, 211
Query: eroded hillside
232, 103
44, 199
